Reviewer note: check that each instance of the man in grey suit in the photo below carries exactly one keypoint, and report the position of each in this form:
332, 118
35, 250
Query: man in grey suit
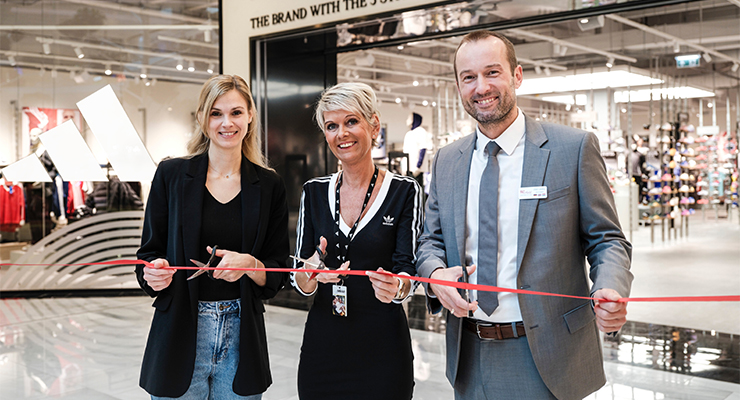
522, 205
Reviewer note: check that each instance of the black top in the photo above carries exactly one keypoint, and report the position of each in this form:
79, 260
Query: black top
370, 356
221, 226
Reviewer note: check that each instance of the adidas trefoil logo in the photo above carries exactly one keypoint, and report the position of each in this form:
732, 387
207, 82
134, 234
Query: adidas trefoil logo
388, 220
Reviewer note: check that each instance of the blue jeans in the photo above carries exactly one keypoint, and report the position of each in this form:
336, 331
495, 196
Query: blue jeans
216, 353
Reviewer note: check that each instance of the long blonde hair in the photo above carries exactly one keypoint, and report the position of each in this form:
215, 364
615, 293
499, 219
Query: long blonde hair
214, 88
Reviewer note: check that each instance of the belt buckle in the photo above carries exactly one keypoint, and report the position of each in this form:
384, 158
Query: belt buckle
477, 330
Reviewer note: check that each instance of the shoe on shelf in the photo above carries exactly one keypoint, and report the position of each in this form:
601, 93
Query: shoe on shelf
666, 189
684, 177
667, 177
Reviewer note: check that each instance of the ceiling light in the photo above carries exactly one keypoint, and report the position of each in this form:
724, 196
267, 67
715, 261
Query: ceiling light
676, 47
425, 103
735, 67
365, 60
79, 52
538, 70
179, 64
400, 47
191, 66
707, 57
434, 104
563, 50
601, 78
610, 62
584, 20
415, 83
53, 73
398, 100
210, 68
407, 64
556, 48
547, 71
710, 104
107, 69
11, 60
147, 83
46, 47
207, 36
143, 73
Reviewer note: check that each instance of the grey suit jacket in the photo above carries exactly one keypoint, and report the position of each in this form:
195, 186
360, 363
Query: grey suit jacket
577, 221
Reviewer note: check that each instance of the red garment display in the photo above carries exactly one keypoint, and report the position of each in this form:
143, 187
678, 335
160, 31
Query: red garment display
12, 207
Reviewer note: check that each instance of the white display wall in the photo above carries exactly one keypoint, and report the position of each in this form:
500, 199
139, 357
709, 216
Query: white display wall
161, 113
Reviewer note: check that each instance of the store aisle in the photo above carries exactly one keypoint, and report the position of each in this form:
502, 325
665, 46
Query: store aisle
90, 348
707, 262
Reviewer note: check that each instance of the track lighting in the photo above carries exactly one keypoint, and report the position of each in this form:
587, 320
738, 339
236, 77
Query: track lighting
538, 70
610, 62
143, 73
676, 47
210, 68
79, 52
207, 35
563, 50
179, 64
108, 71
707, 57
191, 66
547, 71
735, 67
11, 60
46, 47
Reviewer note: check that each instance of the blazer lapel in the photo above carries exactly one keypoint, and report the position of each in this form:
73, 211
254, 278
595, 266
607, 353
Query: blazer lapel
251, 207
533, 174
460, 176
193, 190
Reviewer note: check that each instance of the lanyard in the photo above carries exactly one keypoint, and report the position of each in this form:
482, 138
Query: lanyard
342, 253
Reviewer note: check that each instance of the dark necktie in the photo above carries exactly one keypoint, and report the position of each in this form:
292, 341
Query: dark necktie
488, 230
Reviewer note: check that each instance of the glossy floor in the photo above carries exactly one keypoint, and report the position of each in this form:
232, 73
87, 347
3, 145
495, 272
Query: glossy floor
90, 348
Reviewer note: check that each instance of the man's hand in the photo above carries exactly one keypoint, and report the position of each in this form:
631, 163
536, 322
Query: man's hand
610, 315
449, 296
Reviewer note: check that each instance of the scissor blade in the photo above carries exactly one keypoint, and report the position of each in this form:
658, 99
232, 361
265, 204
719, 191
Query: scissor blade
198, 272
309, 263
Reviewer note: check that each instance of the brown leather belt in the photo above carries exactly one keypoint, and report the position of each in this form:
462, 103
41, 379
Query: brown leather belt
491, 331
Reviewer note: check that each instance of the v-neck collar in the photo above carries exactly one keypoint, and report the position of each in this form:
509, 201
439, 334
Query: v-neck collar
371, 211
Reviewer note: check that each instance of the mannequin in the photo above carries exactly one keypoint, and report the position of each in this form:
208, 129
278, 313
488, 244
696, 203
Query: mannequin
418, 145
637, 168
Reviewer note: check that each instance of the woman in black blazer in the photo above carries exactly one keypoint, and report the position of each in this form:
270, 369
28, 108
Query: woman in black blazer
207, 338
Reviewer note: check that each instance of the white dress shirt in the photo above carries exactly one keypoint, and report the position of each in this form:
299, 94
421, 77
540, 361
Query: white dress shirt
511, 163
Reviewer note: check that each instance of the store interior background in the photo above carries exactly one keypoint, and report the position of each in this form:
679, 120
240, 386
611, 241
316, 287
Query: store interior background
406, 57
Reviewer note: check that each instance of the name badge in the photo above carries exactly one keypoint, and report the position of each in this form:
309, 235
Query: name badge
533, 192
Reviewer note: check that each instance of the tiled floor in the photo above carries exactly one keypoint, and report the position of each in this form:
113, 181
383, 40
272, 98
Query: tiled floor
90, 348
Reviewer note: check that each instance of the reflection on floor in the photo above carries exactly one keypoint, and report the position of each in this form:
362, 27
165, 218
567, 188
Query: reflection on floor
90, 348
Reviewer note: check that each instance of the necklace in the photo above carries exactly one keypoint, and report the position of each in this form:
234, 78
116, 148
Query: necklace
224, 175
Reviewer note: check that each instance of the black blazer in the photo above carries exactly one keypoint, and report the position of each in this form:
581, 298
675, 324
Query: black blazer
172, 231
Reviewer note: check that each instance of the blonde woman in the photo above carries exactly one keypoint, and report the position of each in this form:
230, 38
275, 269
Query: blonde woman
207, 339
356, 344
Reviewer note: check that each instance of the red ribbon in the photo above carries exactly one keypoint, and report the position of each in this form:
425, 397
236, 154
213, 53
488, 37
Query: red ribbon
458, 285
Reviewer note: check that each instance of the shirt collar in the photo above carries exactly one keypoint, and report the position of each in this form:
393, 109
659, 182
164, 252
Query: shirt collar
508, 140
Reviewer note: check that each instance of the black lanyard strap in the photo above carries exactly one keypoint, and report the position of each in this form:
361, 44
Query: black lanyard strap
342, 252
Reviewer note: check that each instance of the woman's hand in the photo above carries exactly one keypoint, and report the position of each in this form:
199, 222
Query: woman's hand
158, 276
385, 285
330, 277
233, 259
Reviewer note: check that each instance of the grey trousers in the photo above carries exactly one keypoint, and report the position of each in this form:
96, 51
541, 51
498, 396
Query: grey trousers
498, 369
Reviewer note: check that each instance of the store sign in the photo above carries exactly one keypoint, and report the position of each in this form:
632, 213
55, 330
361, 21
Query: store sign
275, 16
688, 61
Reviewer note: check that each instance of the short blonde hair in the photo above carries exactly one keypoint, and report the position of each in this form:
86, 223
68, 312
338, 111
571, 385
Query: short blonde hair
214, 88
355, 97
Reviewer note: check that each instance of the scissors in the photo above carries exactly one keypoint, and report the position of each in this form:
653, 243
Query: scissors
204, 267
466, 279
320, 264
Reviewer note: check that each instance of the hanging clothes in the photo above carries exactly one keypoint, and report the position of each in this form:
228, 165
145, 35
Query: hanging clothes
12, 207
